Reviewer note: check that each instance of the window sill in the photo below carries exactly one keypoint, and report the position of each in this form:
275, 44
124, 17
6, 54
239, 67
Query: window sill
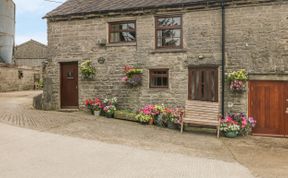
169, 51
120, 44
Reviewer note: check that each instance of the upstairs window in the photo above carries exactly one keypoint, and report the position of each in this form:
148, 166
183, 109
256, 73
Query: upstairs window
169, 32
159, 78
122, 32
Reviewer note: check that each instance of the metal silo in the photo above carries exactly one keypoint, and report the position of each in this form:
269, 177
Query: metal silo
7, 30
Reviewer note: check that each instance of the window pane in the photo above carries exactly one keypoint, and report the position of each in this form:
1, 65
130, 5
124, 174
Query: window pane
169, 42
115, 37
169, 33
127, 36
123, 37
159, 78
175, 21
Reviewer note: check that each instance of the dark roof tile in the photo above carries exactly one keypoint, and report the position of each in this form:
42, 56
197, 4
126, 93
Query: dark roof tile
80, 7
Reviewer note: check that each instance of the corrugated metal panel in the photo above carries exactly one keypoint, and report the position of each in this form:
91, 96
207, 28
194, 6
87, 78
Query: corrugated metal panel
7, 30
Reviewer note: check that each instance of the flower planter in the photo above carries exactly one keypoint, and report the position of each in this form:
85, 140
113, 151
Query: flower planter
238, 86
135, 80
231, 134
171, 125
151, 121
96, 113
109, 115
159, 121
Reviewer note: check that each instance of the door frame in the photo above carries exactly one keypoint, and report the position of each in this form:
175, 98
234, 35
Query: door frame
249, 107
61, 84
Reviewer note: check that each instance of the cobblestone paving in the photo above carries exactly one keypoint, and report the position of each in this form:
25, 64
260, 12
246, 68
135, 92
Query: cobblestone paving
16, 109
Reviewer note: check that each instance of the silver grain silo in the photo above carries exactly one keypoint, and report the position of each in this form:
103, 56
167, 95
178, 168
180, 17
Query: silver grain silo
7, 30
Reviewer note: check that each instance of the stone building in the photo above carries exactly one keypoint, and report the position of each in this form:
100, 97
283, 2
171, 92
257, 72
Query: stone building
30, 53
178, 44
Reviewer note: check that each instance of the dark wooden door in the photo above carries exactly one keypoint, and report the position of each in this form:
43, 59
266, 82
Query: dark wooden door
267, 104
203, 84
286, 108
69, 85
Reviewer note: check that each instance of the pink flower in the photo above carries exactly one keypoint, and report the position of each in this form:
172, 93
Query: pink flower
125, 79
244, 122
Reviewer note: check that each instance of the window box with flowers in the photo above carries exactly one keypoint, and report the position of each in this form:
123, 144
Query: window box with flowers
87, 70
237, 80
133, 76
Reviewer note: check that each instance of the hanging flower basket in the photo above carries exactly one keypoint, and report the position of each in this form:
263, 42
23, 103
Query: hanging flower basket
238, 86
133, 76
87, 70
237, 81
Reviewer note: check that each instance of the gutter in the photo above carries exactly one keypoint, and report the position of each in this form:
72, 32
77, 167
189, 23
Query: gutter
223, 57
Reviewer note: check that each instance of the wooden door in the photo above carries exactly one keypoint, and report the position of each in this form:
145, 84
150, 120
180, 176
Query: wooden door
69, 85
203, 84
267, 104
286, 108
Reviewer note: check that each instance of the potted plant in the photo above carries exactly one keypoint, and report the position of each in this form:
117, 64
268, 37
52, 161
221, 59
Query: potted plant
174, 117
87, 70
98, 106
237, 80
237, 124
109, 110
133, 76
89, 104
109, 107
159, 115
94, 106
144, 119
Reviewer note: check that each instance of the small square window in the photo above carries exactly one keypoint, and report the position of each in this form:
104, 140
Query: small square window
159, 78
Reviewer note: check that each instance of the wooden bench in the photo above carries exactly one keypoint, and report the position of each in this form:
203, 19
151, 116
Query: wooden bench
202, 113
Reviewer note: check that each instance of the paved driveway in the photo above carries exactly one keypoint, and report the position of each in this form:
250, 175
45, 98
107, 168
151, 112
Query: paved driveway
26, 153
84, 146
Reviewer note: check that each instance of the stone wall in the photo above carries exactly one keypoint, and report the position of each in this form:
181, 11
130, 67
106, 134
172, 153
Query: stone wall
257, 40
11, 81
249, 34
30, 53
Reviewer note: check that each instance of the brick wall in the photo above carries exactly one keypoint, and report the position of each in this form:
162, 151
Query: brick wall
254, 35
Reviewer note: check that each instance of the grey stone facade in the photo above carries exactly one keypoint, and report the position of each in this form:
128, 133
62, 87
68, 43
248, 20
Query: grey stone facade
256, 41
30, 53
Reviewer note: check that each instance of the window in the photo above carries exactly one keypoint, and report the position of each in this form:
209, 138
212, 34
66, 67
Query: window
169, 32
159, 78
203, 84
122, 32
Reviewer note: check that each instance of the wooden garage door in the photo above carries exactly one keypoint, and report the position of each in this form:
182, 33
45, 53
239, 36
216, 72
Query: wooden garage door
268, 104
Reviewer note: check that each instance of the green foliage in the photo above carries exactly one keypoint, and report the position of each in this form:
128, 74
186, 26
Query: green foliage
143, 118
237, 75
134, 72
87, 69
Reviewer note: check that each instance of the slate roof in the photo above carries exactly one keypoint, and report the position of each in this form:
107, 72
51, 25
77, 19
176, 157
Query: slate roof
82, 7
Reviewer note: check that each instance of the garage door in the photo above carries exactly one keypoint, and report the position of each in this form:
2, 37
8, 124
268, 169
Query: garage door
268, 104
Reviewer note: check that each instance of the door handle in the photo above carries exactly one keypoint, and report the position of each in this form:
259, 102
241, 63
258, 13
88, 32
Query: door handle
76, 86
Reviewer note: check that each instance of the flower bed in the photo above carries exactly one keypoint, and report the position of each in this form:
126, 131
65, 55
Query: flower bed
237, 124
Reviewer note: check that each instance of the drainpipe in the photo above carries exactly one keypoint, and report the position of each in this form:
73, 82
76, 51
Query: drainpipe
223, 58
